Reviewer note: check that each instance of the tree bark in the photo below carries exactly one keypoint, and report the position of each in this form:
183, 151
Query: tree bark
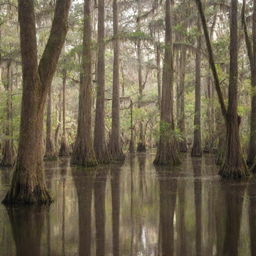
83, 153
99, 130
28, 182
115, 149
64, 150
167, 151
196, 149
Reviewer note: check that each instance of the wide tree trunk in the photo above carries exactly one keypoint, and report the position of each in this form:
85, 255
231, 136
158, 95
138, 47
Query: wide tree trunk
99, 130
115, 149
167, 146
8, 152
234, 165
50, 153
196, 149
64, 149
83, 153
28, 182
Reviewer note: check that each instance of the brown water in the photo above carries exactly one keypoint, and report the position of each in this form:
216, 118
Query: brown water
134, 209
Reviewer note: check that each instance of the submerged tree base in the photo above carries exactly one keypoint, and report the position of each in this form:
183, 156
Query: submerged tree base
118, 157
167, 154
23, 195
232, 172
83, 160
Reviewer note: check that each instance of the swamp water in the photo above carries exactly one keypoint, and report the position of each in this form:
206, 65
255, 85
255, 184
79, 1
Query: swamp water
134, 209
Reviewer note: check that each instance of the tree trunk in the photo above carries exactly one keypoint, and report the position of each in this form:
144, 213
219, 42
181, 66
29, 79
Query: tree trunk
158, 65
181, 108
99, 130
141, 146
131, 145
196, 149
28, 182
234, 165
8, 147
115, 149
64, 150
83, 153
167, 150
50, 153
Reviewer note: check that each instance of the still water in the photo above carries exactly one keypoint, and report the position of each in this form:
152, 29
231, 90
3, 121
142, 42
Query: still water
134, 209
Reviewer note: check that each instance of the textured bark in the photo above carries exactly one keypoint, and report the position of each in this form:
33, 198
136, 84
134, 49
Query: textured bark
99, 130
28, 182
64, 149
50, 153
181, 104
196, 149
115, 149
8, 152
167, 147
251, 50
234, 165
83, 153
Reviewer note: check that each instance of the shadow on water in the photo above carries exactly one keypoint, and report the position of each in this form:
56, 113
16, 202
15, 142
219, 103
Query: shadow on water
134, 209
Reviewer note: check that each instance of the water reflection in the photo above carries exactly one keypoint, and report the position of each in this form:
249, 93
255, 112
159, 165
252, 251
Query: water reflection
134, 209
27, 228
167, 194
